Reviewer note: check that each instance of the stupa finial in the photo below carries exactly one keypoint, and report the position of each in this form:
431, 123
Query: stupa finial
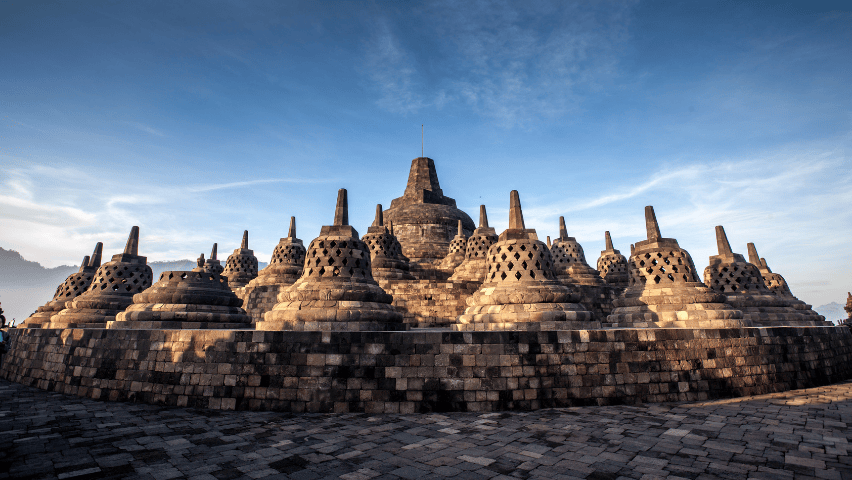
245, 240
132, 247
483, 217
608, 241
764, 265
291, 233
722, 241
516, 216
200, 260
460, 230
548, 241
85, 263
563, 232
651, 224
390, 226
341, 211
96, 255
632, 249
380, 218
753, 257
213, 253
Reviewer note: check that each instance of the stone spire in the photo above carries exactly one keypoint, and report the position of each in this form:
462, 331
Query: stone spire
285, 267
388, 263
456, 254
778, 285
241, 266
213, 252
743, 287
73, 286
341, 211
548, 241
520, 291
664, 289
424, 218
111, 290
612, 265
570, 260
474, 266
336, 290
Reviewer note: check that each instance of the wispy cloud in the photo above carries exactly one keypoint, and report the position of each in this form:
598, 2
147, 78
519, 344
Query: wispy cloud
247, 183
146, 128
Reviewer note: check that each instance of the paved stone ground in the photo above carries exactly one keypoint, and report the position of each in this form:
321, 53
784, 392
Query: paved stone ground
799, 434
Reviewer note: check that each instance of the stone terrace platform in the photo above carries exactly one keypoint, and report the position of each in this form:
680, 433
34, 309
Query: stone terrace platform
795, 434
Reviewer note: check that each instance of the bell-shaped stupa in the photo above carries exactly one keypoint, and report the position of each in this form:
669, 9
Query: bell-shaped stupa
456, 254
241, 266
612, 265
520, 291
741, 283
336, 290
110, 292
424, 218
475, 264
285, 267
185, 300
213, 265
74, 285
665, 291
386, 257
569, 261
776, 283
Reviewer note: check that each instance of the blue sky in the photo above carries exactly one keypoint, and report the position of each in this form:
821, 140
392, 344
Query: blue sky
197, 120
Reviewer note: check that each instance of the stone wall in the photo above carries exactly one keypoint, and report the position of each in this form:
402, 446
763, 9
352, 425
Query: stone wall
426, 303
598, 298
425, 371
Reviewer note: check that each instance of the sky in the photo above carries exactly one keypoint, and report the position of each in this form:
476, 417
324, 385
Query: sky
198, 120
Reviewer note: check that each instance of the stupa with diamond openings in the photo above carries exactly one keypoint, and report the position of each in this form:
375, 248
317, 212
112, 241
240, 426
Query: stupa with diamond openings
741, 283
386, 257
569, 261
285, 267
475, 264
776, 283
110, 292
520, 291
336, 290
197, 299
241, 266
664, 289
73, 286
612, 265
456, 254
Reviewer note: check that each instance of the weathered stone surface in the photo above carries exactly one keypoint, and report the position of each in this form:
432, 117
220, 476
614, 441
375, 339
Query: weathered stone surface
336, 290
612, 265
74, 285
456, 254
429, 303
423, 371
744, 289
424, 219
569, 261
664, 289
386, 259
778, 285
110, 292
241, 266
475, 265
520, 291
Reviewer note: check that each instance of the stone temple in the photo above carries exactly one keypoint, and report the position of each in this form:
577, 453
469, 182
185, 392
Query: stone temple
428, 312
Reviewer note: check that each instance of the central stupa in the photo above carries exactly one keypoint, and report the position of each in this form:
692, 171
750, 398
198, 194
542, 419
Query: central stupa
425, 221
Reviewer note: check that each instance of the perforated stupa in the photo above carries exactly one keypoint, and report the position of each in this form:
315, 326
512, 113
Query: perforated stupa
185, 300
424, 219
241, 266
520, 291
213, 265
664, 289
475, 264
73, 286
776, 283
336, 290
569, 261
455, 255
741, 283
612, 265
386, 257
110, 292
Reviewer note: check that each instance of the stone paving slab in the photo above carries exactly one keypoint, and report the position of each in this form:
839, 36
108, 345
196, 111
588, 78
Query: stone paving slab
796, 434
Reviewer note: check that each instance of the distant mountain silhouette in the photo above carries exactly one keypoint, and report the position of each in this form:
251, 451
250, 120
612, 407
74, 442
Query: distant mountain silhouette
832, 311
26, 285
